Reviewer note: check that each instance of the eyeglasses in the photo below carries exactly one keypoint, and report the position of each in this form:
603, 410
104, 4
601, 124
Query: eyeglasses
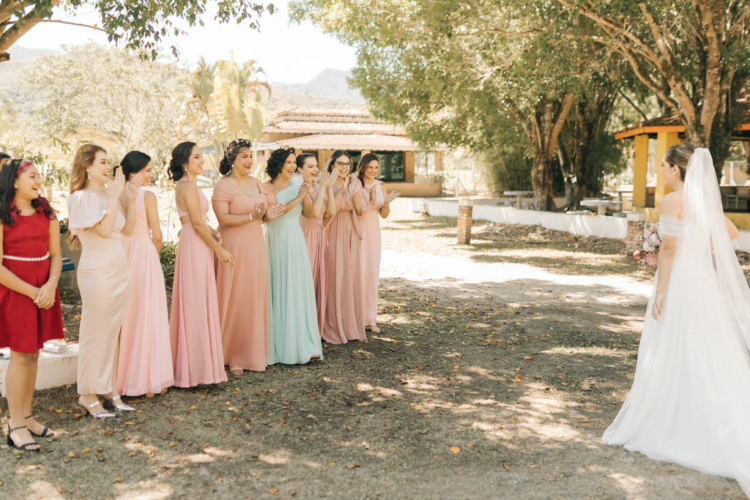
344, 164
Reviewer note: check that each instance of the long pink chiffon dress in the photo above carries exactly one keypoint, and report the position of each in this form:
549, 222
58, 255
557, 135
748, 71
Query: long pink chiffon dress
315, 237
370, 253
195, 327
145, 360
103, 280
344, 316
243, 287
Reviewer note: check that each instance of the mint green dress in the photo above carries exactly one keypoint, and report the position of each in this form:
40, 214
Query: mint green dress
293, 336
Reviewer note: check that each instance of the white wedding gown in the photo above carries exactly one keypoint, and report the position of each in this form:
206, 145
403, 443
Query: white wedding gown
690, 399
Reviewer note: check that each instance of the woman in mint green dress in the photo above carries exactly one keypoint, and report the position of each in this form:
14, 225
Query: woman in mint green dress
293, 336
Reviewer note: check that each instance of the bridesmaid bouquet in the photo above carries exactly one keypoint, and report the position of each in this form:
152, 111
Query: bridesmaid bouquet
649, 243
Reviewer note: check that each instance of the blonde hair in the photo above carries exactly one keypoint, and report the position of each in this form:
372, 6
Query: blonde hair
79, 180
679, 156
83, 159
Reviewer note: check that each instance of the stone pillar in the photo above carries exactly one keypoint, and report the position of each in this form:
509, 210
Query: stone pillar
636, 223
464, 222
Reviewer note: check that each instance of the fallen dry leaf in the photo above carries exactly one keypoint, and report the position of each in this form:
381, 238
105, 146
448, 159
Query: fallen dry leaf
332, 463
172, 443
273, 491
72, 454
118, 480
584, 421
507, 467
455, 450
352, 466
527, 358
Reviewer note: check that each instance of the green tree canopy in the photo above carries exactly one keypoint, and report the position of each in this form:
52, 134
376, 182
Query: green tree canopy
138, 25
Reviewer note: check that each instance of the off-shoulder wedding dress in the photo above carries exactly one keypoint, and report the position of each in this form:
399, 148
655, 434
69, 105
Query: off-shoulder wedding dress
690, 400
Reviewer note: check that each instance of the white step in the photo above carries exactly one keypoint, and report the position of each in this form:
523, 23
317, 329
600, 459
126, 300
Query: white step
54, 370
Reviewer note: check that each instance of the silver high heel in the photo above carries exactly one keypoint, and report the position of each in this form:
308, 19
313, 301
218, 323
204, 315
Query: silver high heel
119, 405
97, 415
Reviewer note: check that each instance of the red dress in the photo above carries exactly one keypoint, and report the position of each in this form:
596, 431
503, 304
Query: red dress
23, 326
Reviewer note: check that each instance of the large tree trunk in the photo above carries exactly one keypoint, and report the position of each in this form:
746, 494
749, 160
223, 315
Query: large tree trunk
542, 126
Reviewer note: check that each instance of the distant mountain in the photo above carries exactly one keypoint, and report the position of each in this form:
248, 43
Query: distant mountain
20, 54
330, 84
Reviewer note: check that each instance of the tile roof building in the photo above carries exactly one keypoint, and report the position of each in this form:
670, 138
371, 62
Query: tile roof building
322, 131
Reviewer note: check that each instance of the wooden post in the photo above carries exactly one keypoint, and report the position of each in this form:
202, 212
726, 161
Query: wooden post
664, 141
636, 223
640, 170
464, 221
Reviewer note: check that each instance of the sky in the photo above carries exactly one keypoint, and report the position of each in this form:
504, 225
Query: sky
288, 53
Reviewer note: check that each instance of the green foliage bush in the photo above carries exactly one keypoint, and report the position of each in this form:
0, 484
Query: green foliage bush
167, 256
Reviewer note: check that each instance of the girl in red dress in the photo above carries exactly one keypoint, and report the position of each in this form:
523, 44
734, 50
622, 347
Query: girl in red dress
29, 303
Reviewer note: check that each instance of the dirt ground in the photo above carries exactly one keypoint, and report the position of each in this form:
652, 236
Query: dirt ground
499, 366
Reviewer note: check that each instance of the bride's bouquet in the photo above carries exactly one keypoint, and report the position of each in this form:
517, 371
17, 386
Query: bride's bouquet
649, 242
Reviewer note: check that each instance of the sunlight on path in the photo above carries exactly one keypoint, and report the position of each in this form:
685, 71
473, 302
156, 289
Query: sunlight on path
422, 267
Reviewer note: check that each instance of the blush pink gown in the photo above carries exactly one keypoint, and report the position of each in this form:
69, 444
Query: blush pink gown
243, 287
145, 360
315, 237
195, 327
103, 279
344, 317
370, 253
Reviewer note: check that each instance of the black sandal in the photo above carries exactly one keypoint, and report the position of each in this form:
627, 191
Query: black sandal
23, 447
47, 432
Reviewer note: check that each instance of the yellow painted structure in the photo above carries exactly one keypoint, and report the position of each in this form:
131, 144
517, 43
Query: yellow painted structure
640, 170
667, 132
664, 140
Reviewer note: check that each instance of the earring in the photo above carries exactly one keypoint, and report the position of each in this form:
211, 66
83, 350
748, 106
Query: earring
88, 175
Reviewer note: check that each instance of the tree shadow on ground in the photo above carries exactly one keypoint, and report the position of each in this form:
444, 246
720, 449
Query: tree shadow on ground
472, 390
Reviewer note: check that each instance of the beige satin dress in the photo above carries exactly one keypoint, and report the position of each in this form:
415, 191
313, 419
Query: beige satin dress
103, 283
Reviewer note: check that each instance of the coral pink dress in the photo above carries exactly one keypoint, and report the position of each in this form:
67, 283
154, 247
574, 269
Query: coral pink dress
370, 254
23, 326
145, 361
243, 287
315, 237
344, 317
195, 327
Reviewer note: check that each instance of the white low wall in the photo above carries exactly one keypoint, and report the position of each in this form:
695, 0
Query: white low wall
583, 225
743, 242
54, 369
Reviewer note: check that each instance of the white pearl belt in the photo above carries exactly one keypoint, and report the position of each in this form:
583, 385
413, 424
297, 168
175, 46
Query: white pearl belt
27, 259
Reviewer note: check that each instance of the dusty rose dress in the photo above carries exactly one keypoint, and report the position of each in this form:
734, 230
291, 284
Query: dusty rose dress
370, 254
243, 288
145, 361
344, 316
315, 237
195, 328
103, 282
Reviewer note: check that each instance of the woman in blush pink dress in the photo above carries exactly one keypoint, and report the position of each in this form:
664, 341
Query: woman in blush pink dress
239, 202
145, 359
379, 200
344, 317
318, 201
98, 218
195, 327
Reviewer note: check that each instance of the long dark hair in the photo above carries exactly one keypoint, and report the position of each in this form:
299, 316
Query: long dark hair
3, 157
235, 148
335, 156
8, 210
301, 159
132, 163
363, 162
276, 161
180, 158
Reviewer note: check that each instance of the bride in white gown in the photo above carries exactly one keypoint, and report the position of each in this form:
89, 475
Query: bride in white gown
690, 399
